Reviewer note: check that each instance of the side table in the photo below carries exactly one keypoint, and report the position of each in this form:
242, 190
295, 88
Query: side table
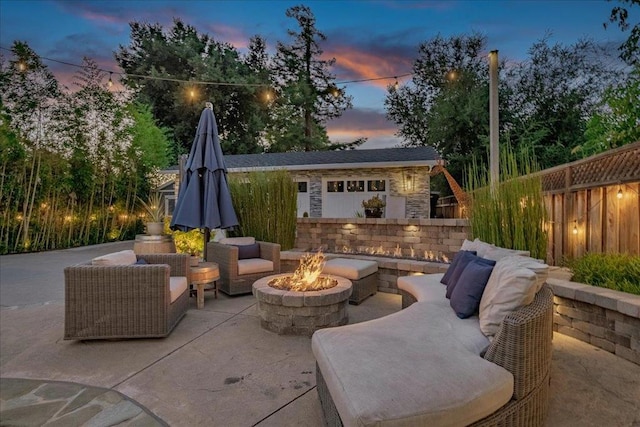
202, 274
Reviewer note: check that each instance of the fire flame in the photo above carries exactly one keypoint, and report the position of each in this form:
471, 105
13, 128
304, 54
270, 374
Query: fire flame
398, 252
306, 277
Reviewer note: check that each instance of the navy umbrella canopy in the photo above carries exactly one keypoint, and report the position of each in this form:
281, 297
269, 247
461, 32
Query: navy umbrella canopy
204, 200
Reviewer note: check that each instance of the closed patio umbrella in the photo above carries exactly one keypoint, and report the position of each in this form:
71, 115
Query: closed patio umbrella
204, 200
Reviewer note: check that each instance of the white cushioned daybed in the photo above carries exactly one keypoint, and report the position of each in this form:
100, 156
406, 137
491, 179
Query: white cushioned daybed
426, 366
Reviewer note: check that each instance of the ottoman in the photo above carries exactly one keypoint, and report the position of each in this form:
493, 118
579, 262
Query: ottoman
362, 273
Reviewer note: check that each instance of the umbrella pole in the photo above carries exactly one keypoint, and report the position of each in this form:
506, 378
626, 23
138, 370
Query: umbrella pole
207, 236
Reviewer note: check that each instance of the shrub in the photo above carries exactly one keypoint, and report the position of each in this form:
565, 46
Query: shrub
513, 214
620, 272
266, 206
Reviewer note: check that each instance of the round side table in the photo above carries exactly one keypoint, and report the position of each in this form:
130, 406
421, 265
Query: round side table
202, 274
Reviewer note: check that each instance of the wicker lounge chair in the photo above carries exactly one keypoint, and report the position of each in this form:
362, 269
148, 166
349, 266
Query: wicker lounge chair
232, 282
125, 301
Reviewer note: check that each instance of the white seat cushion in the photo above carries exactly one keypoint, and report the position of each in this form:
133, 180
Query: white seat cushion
425, 287
238, 241
177, 285
127, 257
254, 265
353, 269
419, 366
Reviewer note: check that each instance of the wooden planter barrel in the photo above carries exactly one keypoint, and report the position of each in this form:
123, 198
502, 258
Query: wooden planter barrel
162, 244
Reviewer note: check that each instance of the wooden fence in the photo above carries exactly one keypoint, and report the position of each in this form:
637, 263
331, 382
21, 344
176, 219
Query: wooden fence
594, 204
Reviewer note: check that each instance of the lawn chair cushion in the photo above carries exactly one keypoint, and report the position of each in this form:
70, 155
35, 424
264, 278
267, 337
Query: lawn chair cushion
254, 265
425, 288
177, 285
237, 241
126, 257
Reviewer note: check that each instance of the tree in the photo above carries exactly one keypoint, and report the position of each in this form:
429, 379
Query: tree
446, 105
306, 94
181, 53
553, 94
630, 49
618, 122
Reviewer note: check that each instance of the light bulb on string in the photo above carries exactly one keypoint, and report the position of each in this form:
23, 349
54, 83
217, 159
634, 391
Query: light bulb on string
110, 82
619, 195
396, 84
22, 66
575, 227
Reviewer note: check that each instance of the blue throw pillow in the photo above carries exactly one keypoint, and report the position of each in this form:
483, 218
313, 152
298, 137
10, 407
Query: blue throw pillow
465, 259
447, 275
141, 261
248, 251
466, 296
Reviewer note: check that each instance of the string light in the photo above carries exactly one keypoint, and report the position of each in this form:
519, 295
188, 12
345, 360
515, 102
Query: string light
575, 227
110, 82
201, 82
619, 195
396, 84
22, 66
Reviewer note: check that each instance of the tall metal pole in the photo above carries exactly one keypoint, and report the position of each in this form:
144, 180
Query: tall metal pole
494, 150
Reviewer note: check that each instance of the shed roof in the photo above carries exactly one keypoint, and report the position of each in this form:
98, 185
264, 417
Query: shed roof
346, 159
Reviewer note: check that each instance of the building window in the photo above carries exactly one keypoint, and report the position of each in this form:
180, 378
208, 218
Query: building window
302, 186
355, 186
335, 186
376, 185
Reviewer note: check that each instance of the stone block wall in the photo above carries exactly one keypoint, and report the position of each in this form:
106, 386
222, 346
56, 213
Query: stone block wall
604, 318
409, 238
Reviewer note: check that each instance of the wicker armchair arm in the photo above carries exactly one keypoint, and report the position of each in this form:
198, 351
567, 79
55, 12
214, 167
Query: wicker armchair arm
226, 256
270, 251
522, 345
179, 263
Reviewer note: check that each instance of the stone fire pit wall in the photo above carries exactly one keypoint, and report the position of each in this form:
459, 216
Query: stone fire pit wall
302, 313
443, 236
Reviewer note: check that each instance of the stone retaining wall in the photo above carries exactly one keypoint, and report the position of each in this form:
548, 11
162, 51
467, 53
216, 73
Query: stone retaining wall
440, 237
602, 317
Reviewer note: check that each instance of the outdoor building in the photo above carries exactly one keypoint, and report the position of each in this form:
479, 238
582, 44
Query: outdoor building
333, 184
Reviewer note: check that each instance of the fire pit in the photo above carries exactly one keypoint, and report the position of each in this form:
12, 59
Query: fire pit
299, 303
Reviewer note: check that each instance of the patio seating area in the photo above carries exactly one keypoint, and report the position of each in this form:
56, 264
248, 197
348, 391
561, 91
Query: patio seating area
218, 366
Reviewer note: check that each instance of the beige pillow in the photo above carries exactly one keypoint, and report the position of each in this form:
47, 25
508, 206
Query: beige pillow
238, 241
537, 266
127, 257
496, 253
510, 286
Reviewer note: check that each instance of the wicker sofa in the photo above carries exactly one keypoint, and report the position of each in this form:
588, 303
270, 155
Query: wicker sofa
425, 366
126, 301
237, 275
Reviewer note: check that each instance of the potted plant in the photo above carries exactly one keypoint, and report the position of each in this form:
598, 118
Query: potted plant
373, 207
154, 213
190, 242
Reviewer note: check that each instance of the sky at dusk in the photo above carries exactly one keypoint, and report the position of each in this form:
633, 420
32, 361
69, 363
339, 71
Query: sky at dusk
369, 39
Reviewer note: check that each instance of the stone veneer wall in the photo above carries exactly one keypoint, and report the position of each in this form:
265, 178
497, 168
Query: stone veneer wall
602, 317
417, 204
438, 236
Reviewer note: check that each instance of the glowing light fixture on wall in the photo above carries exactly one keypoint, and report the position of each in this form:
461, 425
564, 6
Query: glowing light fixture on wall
408, 181
575, 227
619, 195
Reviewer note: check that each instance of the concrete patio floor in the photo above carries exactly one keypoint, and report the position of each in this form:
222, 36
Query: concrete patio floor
220, 368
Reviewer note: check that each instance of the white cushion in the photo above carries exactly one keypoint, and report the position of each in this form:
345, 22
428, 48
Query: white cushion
477, 245
453, 385
126, 257
254, 265
238, 241
496, 253
177, 285
537, 266
425, 287
353, 269
510, 286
